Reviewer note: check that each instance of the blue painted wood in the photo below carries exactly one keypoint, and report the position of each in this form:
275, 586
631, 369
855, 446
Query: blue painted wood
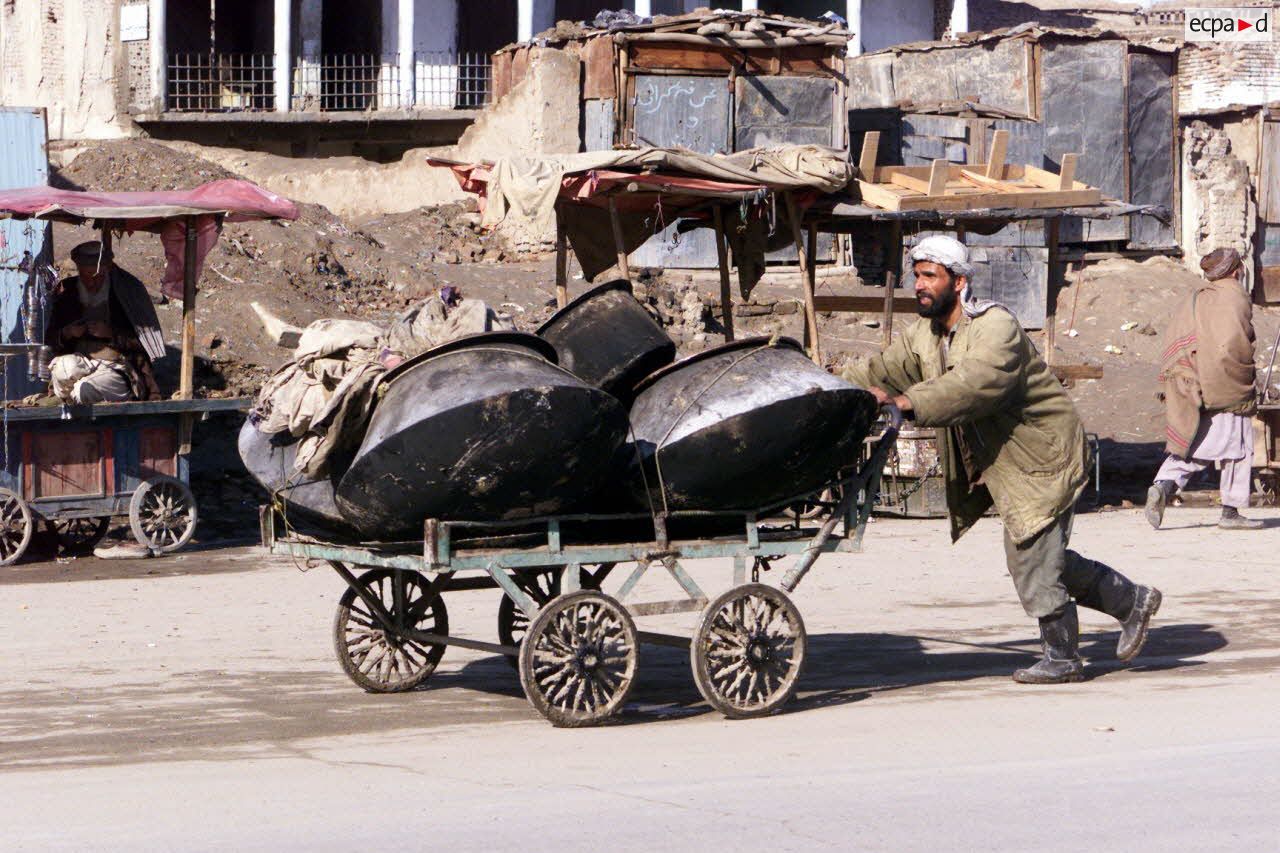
24, 246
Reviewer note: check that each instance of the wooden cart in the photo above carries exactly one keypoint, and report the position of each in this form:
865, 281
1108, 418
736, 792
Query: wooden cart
74, 468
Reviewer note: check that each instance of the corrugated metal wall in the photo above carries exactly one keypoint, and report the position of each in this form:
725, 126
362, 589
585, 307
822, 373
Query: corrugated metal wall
24, 162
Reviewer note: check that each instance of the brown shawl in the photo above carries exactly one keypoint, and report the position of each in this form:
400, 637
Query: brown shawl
1207, 363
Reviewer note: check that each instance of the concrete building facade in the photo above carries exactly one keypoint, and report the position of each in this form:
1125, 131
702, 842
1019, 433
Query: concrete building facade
310, 76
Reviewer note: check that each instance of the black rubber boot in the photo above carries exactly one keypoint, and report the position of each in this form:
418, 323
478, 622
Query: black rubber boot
1133, 629
1098, 586
1060, 639
1157, 499
1233, 520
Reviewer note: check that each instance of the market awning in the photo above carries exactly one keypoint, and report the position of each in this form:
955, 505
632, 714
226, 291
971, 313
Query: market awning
236, 200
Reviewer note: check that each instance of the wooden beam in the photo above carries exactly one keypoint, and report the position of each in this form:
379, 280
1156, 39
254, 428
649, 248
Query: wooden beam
810, 315
811, 282
864, 304
910, 182
867, 159
619, 246
938, 174
1071, 372
979, 180
186, 369
1067, 175
995, 163
722, 258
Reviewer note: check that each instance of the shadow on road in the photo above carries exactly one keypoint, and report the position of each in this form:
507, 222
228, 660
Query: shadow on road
223, 715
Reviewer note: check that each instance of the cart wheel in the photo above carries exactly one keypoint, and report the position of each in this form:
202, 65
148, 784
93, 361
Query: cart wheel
78, 535
578, 663
748, 651
386, 661
162, 514
16, 526
512, 621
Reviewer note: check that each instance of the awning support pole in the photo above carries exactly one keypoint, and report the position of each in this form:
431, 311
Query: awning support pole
562, 262
722, 256
623, 267
1054, 286
186, 376
810, 315
891, 279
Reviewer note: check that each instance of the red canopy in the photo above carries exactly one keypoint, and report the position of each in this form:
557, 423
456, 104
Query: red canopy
237, 200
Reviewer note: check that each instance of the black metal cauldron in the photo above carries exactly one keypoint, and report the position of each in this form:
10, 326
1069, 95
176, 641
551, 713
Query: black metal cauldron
485, 427
744, 426
606, 338
270, 459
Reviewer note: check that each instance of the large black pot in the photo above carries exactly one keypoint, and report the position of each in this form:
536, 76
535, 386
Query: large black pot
608, 339
270, 459
485, 427
746, 425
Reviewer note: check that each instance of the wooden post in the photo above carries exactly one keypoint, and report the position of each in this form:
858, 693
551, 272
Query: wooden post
995, 163
722, 257
623, 267
186, 374
893, 274
1054, 285
810, 315
562, 263
939, 171
1067, 175
811, 280
867, 158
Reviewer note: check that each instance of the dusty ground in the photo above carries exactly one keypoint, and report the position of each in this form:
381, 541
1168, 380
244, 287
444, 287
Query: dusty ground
193, 702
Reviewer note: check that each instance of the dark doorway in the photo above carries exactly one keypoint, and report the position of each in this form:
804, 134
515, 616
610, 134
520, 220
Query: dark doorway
352, 64
586, 10
812, 9
486, 25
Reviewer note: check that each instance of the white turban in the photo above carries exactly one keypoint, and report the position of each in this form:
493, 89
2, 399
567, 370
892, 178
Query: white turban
945, 251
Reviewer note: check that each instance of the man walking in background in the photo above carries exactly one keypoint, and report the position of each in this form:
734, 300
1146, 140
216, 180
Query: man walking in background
1208, 373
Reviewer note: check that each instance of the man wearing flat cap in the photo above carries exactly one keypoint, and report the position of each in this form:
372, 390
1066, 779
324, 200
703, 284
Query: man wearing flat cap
1009, 435
1207, 373
97, 322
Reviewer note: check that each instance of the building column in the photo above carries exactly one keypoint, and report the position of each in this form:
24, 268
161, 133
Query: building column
306, 71
534, 16
749, 5
524, 20
853, 14
159, 46
282, 20
959, 17
404, 47
643, 8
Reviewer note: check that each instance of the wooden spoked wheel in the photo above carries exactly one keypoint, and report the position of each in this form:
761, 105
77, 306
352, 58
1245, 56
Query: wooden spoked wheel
513, 624
748, 650
162, 514
16, 527
578, 660
79, 535
384, 658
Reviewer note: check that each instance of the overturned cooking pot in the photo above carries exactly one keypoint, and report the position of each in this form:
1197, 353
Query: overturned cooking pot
744, 426
608, 339
270, 460
485, 427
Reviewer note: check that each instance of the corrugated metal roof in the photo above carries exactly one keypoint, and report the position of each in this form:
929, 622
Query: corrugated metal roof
1227, 77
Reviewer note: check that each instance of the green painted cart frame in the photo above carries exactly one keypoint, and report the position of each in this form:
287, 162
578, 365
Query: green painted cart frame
575, 646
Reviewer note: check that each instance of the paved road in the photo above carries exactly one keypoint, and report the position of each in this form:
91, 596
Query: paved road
194, 703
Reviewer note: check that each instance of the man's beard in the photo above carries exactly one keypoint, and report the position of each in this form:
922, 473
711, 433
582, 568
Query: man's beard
940, 306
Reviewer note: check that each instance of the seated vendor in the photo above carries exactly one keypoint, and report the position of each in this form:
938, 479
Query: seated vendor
98, 356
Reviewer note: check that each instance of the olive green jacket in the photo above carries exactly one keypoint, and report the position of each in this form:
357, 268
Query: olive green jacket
997, 397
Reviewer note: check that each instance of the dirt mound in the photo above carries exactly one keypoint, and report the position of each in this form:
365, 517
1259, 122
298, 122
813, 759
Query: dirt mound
318, 266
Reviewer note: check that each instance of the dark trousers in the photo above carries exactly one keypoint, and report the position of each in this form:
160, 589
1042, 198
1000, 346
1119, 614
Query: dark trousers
1047, 575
